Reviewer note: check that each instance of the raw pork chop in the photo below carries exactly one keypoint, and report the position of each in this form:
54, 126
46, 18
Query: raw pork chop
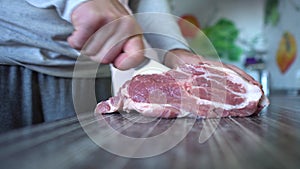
203, 90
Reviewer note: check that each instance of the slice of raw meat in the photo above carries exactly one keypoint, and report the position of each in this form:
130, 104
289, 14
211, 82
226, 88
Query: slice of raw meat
204, 90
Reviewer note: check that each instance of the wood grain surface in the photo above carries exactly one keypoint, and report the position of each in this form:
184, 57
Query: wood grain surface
268, 141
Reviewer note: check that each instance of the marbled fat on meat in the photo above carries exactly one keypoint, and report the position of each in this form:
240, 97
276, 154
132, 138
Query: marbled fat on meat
203, 90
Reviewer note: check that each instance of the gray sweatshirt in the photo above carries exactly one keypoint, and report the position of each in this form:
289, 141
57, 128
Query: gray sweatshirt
33, 34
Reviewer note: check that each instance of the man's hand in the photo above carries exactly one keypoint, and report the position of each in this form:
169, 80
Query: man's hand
106, 33
179, 56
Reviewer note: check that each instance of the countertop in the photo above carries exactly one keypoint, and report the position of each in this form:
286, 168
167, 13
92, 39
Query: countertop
270, 140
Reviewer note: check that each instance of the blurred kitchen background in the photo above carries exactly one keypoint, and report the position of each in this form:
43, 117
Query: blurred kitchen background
259, 36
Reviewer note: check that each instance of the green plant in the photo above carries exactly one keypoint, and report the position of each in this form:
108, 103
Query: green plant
223, 36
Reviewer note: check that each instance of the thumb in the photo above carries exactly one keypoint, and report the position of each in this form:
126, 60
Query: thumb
133, 53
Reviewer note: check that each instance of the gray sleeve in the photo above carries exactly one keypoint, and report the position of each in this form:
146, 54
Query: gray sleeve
63, 7
160, 27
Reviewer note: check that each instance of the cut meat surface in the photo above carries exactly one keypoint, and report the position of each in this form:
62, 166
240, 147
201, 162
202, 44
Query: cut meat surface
204, 90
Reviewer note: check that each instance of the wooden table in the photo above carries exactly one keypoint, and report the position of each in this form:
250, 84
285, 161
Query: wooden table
269, 141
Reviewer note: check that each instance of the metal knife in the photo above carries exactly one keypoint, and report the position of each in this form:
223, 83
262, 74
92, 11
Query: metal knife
149, 66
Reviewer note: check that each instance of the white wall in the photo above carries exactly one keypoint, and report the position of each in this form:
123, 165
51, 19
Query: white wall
247, 14
289, 21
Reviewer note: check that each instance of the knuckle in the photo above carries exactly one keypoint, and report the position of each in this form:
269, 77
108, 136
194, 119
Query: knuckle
112, 16
131, 24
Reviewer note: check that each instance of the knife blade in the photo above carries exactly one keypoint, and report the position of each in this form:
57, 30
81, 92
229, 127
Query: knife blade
148, 66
